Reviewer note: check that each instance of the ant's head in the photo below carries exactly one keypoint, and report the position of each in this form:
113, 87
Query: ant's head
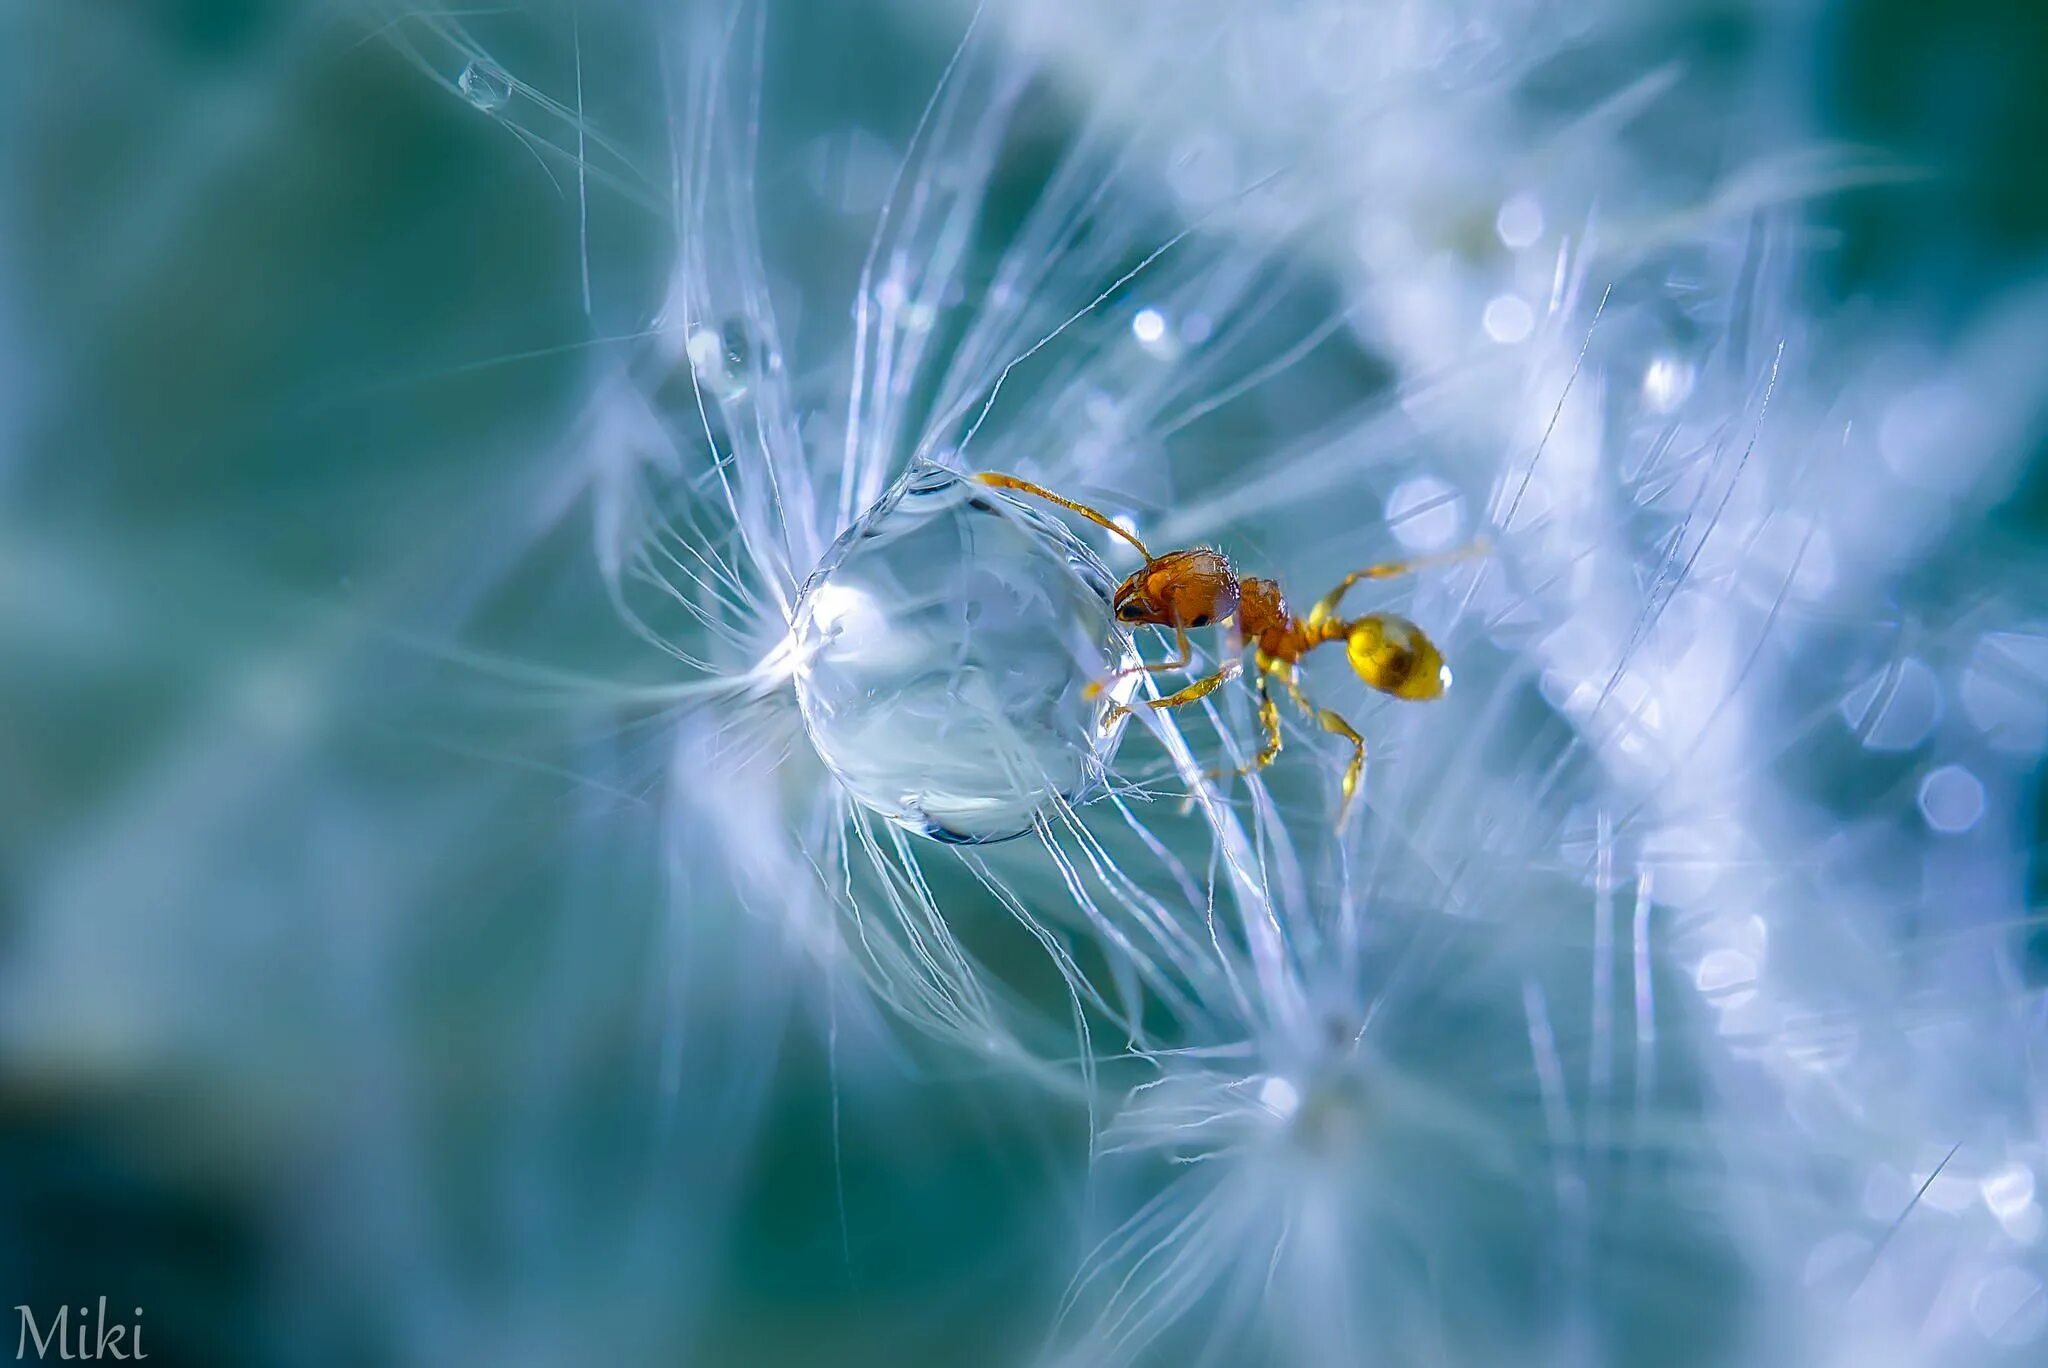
1190, 588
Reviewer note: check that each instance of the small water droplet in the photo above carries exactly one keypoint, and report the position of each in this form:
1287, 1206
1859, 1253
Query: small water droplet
1424, 513
1154, 333
485, 85
1951, 799
1896, 708
739, 342
1509, 319
719, 357
2007, 1305
1520, 221
2005, 689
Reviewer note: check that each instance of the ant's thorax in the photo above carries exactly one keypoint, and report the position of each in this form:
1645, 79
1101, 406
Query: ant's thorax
1264, 618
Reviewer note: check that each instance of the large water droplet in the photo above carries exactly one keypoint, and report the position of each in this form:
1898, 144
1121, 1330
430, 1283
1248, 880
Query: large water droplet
944, 646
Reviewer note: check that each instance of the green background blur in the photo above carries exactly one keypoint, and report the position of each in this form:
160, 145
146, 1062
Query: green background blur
253, 261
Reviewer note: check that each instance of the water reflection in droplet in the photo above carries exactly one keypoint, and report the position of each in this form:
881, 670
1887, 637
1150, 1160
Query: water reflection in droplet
944, 647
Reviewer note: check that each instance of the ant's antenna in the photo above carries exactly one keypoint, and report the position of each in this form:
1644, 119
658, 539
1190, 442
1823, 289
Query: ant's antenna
989, 477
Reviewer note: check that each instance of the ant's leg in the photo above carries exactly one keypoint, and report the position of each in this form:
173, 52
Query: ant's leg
1326, 606
990, 477
1269, 722
1194, 692
1180, 643
1200, 689
1331, 722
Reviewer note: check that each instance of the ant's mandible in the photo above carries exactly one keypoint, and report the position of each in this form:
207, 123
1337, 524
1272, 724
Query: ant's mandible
1198, 588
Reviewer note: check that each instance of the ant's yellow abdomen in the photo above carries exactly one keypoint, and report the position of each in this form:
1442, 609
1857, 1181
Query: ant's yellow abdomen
1394, 656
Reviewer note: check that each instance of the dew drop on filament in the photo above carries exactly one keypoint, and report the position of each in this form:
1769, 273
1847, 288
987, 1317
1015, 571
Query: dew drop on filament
485, 85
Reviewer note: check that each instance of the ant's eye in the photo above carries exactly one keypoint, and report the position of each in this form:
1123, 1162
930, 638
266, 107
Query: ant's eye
1128, 611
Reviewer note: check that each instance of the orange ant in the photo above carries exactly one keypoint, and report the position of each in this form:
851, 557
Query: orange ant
1198, 588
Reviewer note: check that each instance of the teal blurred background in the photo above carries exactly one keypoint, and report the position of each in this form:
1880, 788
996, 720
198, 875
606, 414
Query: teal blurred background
333, 1035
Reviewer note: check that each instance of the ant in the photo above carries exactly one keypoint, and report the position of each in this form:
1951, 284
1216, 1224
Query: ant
1198, 588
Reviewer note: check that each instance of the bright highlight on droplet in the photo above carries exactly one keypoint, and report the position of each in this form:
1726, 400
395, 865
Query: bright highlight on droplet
2009, 1191
1667, 383
1508, 319
1149, 327
1951, 799
1279, 1097
705, 351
